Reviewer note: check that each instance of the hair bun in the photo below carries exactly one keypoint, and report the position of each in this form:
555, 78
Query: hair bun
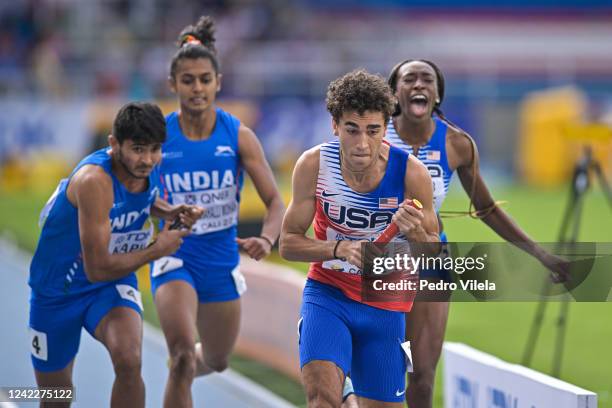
202, 33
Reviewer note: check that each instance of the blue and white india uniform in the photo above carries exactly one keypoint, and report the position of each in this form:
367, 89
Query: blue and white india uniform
63, 300
206, 173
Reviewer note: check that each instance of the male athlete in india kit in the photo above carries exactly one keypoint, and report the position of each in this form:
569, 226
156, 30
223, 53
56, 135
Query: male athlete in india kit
95, 234
60, 285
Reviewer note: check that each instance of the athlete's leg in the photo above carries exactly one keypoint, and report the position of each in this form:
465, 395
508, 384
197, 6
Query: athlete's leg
378, 367
60, 378
176, 302
425, 327
218, 324
120, 330
350, 402
363, 402
323, 381
55, 333
325, 344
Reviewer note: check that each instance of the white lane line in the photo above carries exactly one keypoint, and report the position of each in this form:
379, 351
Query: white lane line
6, 404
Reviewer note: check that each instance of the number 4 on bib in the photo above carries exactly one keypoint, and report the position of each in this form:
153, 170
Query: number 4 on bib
38, 344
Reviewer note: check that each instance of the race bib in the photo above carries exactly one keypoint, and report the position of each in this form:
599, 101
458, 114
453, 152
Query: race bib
239, 280
221, 208
130, 293
38, 344
341, 266
408, 352
337, 264
166, 264
401, 247
438, 191
124, 242
299, 328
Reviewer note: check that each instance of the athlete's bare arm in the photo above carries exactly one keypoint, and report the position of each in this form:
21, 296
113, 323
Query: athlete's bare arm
418, 185
468, 169
294, 244
91, 192
463, 155
418, 226
254, 161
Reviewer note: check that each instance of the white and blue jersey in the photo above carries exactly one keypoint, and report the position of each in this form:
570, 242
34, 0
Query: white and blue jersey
344, 214
57, 266
63, 300
206, 173
336, 323
432, 155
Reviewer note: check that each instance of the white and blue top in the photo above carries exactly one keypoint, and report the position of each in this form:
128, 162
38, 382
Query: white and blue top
433, 156
57, 266
345, 214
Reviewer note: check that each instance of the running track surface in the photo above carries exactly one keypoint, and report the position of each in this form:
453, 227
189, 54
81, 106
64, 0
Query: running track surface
93, 373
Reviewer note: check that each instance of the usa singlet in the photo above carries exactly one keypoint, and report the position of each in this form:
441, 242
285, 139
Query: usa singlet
433, 156
344, 214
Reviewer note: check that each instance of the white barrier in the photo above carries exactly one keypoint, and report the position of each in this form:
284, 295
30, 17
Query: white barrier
473, 379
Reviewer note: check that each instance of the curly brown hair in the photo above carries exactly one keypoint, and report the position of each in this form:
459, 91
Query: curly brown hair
360, 91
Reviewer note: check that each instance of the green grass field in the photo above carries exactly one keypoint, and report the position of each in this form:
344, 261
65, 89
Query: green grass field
496, 328
501, 329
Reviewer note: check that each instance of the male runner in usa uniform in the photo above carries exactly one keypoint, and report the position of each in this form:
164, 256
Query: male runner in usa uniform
351, 188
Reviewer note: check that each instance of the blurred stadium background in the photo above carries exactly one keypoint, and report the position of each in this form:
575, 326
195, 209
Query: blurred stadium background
530, 80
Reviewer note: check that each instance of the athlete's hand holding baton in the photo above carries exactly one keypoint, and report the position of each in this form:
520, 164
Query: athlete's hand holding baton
350, 251
393, 229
